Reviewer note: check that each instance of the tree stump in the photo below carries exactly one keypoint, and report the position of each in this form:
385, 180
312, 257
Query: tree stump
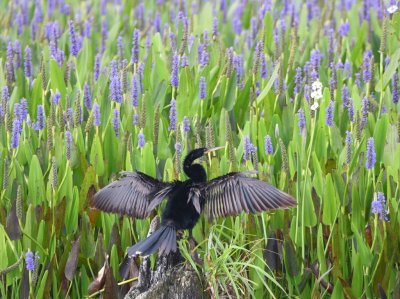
170, 279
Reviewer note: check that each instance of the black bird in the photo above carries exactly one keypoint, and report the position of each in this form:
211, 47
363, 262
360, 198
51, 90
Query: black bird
137, 194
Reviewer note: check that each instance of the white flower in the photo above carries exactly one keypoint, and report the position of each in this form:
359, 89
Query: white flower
314, 106
392, 9
316, 90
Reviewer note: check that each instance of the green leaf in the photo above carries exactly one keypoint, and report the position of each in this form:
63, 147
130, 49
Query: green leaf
389, 70
36, 187
271, 81
57, 80
330, 202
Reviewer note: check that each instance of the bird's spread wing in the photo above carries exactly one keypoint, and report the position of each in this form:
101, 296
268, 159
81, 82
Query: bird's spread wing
235, 192
135, 194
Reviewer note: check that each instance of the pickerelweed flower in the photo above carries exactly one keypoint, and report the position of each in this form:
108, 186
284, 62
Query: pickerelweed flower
157, 22
348, 141
301, 119
24, 109
135, 91
178, 147
175, 70
392, 9
16, 128
350, 109
248, 147
28, 62
56, 97
96, 114
357, 80
141, 140
345, 96
314, 106
135, 46
316, 90
202, 88
87, 97
395, 88
204, 59
40, 118
135, 119
172, 116
30, 261
73, 40
364, 111
186, 125
96, 71
115, 122
238, 61
269, 150
215, 27
68, 143
378, 206
115, 84
184, 61
297, 81
344, 29
371, 154
10, 63
367, 66
329, 114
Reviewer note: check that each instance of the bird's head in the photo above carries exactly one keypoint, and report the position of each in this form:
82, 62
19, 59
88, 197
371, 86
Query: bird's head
199, 152
194, 170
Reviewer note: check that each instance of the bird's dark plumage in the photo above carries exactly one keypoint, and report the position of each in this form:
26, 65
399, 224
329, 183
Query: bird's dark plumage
137, 194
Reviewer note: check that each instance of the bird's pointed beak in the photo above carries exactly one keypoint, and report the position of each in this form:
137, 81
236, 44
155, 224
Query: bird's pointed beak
210, 150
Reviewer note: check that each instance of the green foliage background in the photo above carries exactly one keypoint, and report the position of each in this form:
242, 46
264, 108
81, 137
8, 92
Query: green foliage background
330, 245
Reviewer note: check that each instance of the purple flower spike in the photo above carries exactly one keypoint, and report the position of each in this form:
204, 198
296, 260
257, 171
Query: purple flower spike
301, 118
96, 114
248, 148
345, 96
73, 39
367, 66
16, 128
378, 206
371, 154
329, 115
269, 150
364, 111
395, 88
141, 140
87, 97
202, 88
30, 261
297, 81
96, 71
186, 125
135, 46
115, 84
40, 118
28, 62
135, 91
56, 97
68, 143
115, 121
175, 70
172, 116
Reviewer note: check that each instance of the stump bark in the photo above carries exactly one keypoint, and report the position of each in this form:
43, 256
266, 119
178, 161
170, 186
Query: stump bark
170, 278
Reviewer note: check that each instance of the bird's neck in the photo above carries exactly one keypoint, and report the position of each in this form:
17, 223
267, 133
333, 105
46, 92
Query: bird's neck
196, 172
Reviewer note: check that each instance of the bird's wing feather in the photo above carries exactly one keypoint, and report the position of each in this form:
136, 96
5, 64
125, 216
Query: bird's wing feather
135, 194
235, 192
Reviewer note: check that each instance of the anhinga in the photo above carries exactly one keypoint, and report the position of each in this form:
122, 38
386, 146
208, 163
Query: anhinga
137, 194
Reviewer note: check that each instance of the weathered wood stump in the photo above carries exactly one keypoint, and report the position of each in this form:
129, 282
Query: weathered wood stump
170, 278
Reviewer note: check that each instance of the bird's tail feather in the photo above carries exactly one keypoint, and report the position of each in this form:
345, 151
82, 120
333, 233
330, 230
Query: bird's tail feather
163, 239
